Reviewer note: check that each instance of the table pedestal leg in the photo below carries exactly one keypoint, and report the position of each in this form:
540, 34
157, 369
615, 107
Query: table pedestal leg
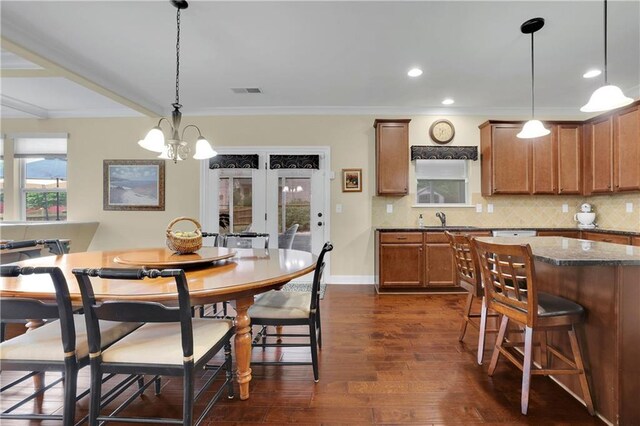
243, 345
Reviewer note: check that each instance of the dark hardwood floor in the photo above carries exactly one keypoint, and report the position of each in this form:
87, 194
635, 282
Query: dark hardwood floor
391, 359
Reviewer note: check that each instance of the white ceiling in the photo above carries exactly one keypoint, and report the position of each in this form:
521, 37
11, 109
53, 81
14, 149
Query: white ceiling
311, 57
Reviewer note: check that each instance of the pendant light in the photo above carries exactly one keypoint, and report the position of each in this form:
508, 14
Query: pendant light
176, 148
607, 97
532, 128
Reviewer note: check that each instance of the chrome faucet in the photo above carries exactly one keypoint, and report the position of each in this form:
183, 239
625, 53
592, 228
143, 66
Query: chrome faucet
443, 218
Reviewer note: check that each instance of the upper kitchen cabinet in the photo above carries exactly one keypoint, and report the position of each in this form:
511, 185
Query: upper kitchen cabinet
612, 151
392, 156
544, 163
599, 154
569, 150
506, 160
626, 150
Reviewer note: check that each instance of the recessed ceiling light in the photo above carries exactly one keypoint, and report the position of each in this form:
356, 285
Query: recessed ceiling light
591, 73
414, 72
448, 101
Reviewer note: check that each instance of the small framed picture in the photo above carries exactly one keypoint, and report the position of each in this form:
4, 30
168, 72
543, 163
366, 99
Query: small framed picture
351, 180
133, 185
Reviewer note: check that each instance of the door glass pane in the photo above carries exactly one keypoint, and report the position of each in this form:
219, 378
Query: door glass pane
235, 202
294, 208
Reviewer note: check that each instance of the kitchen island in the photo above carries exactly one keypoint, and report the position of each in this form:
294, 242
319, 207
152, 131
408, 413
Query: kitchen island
605, 279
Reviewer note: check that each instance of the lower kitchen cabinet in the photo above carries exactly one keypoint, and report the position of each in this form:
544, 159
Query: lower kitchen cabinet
400, 260
635, 241
438, 260
606, 238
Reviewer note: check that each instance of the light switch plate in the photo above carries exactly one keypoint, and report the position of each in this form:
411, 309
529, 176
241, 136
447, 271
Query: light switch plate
565, 208
338, 208
489, 208
389, 208
478, 208
629, 207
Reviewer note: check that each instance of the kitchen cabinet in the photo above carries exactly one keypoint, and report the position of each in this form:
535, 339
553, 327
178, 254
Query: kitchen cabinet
505, 160
392, 156
569, 155
440, 266
600, 151
544, 163
606, 237
565, 234
626, 149
400, 260
635, 241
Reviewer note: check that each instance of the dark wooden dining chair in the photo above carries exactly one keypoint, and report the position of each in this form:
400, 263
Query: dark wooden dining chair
469, 278
59, 345
14, 251
170, 343
509, 278
280, 308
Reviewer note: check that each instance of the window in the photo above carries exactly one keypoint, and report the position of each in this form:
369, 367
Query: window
42, 162
442, 181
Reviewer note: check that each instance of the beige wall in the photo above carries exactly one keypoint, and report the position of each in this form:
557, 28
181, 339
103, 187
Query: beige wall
351, 139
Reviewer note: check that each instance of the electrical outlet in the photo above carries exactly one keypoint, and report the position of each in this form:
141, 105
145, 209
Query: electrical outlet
338, 208
489, 208
478, 208
629, 207
565, 208
389, 208
332, 175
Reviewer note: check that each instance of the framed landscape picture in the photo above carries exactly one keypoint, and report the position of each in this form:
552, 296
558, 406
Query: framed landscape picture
351, 180
133, 185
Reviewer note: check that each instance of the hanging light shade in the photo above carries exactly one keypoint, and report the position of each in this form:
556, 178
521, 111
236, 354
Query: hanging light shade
607, 97
175, 147
532, 128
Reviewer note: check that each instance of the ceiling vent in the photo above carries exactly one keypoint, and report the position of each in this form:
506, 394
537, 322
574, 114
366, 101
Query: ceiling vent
252, 90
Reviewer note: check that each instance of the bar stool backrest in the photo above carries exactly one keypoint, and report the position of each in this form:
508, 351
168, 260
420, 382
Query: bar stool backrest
467, 268
508, 276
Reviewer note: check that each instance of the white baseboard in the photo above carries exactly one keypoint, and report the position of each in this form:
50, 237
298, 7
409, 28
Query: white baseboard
351, 279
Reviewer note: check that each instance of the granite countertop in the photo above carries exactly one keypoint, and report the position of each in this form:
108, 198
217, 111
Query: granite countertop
481, 228
572, 252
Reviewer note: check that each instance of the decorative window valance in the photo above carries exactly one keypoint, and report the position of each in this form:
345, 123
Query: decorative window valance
236, 161
419, 152
294, 161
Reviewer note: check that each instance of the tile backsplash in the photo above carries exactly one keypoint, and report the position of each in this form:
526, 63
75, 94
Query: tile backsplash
514, 211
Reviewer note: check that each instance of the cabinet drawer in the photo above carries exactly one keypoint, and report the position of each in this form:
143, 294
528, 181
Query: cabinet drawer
635, 241
566, 234
435, 237
606, 238
401, 237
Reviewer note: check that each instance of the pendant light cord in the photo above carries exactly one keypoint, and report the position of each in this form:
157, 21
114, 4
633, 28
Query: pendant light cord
605, 43
177, 61
532, 80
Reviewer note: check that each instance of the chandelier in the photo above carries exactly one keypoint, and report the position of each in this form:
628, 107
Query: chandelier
175, 147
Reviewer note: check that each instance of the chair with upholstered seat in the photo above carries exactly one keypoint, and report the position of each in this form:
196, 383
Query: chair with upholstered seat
469, 278
170, 343
285, 241
509, 277
59, 345
280, 308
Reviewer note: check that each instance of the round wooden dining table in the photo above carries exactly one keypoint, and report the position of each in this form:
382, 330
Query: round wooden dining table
236, 279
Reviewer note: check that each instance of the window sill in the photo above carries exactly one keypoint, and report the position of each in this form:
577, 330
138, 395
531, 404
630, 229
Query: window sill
438, 206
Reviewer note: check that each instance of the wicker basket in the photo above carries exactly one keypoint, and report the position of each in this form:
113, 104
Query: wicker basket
184, 245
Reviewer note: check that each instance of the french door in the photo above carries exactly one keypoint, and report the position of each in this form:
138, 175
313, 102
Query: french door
271, 200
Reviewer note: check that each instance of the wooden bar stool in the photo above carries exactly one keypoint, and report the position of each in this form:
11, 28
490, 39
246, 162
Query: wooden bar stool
509, 277
467, 271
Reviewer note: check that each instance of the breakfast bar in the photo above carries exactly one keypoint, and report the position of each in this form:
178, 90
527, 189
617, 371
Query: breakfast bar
605, 279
